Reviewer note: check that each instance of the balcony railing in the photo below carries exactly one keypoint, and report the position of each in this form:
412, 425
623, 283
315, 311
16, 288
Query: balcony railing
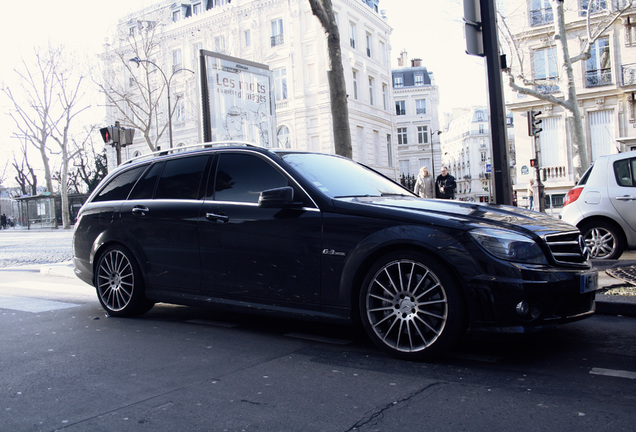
278, 40
598, 77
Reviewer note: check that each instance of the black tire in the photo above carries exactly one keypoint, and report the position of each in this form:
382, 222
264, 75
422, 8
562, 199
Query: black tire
120, 287
410, 306
603, 240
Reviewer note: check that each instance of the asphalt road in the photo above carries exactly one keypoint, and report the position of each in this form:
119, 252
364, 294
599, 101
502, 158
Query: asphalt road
66, 366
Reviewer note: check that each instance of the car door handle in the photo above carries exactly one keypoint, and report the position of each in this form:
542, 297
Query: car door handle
625, 198
140, 210
219, 218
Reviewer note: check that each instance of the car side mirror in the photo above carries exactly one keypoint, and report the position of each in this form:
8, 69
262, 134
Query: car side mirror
276, 198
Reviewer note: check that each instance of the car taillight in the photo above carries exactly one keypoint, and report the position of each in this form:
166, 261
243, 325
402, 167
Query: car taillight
572, 195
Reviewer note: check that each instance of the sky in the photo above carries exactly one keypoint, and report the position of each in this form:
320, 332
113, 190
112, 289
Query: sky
428, 29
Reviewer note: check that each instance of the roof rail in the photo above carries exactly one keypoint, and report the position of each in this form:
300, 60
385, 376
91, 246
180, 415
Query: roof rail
192, 147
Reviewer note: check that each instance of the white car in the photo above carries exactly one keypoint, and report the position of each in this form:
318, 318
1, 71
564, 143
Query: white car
603, 205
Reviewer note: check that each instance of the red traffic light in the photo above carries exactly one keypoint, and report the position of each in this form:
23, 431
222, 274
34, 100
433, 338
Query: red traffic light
534, 163
107, 134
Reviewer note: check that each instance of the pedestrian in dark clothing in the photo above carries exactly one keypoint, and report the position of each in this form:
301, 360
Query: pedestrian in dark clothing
3, 221
445, 185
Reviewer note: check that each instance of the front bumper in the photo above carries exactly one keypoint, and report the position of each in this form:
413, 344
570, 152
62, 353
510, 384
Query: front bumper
532, 298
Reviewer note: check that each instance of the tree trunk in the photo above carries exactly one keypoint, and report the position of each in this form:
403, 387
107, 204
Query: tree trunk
323, 10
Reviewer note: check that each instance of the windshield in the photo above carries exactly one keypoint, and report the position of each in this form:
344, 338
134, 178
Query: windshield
339, 177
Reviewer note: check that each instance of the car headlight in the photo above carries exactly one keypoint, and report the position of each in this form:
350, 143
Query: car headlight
508, 245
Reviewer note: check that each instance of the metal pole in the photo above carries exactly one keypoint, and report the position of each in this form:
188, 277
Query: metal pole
500, 159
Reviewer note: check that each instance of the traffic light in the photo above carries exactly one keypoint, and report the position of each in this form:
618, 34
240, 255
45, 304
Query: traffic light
107, 134
533, 123
534, 163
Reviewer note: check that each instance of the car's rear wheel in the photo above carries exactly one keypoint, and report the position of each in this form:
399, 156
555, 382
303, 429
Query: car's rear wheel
119, 284
410, 306
603, 240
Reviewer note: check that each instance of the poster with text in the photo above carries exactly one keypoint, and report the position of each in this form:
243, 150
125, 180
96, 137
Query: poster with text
237, 100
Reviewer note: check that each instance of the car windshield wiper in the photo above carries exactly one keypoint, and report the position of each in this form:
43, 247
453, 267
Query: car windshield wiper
385, 194
357, 196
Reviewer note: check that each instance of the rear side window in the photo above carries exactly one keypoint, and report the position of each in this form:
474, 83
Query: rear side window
624, 172
181, 178
242, 177
119, 187
145, 188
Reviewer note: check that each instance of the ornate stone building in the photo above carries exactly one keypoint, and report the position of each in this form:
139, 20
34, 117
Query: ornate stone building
288, 38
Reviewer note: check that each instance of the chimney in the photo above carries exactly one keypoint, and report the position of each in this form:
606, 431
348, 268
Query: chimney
403, 59
416, 62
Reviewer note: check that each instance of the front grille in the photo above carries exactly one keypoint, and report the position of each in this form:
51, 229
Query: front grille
567, 248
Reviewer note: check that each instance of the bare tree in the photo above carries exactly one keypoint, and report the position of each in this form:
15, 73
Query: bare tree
521, 80
33, 105
323, 10
45, 110
25, 174
135, 90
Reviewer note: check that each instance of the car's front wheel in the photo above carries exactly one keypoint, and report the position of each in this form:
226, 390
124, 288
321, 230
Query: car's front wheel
119, 284
603, 240
410, 306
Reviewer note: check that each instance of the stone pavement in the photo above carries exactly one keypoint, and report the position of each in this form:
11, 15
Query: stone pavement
51, 251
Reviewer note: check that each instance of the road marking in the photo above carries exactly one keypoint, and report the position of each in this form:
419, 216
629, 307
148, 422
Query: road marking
613, 373
35, 305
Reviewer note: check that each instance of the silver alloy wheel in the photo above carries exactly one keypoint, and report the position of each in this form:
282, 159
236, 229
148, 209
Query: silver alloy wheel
601, 242
406, 306
115, 280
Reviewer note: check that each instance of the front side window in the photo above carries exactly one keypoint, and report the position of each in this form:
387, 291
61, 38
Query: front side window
181, 178
242, 177
400, 107
624, 170
598, 69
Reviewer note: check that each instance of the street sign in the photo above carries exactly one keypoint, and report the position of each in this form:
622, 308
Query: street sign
488, 168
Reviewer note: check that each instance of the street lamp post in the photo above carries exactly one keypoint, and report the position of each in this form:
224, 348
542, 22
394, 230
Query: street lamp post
167, 81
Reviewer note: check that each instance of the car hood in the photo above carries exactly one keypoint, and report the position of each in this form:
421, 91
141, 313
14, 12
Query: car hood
450, 212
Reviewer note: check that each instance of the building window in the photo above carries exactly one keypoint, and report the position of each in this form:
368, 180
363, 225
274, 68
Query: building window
247, 37
176, 15
280, 84
389, 149
597, 6
179, 110
352, 35
355, 84
176, 60
546, 70
283, 137
422, 134
196, 8
382, 52
482, 129
400, 107
385, 97
540, 12
398, 82
369, 44
419, 79
402, 136
598, 69
371, 90
219, 44
484, 157
420, 106
277, 32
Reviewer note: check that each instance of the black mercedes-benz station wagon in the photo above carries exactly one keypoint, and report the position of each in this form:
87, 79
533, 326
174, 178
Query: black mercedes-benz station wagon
320, 237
